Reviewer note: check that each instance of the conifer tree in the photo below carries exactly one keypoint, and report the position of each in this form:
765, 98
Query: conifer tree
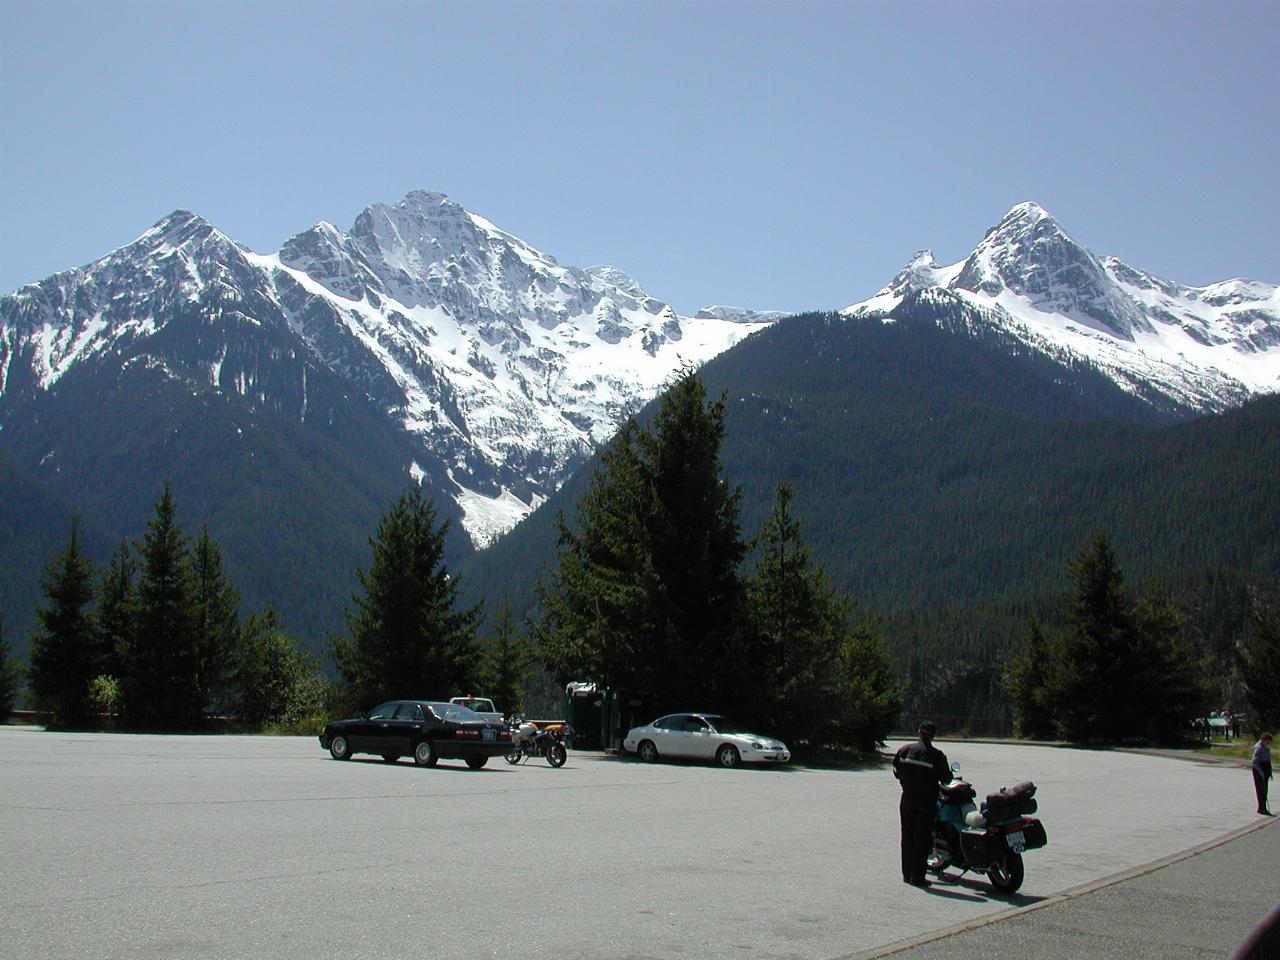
63, 645
797, 623
1025, 680
695, 544
117, 610
1092, 684
216, 624
1119, 669
407, 636
506, 665
868, 694
646, 595
1258, 660
10, 675
599, 618
160, 679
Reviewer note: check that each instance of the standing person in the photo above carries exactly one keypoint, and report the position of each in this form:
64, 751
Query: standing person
920, 768
1262, 770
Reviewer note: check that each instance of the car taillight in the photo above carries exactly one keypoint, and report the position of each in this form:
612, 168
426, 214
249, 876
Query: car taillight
504, 735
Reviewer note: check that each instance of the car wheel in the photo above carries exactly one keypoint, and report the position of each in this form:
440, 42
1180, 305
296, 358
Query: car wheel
728, 756
424, 754
390, 757
1007, 877
339, 748
647, 751
475, 763
557, 755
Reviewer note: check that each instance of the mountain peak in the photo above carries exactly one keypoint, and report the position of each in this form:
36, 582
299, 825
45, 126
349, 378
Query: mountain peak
178, 229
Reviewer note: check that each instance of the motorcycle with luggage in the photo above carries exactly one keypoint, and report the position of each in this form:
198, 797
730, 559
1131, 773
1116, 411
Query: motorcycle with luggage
989, 838
533, 739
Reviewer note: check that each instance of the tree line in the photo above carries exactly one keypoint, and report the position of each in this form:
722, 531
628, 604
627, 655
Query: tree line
655, 591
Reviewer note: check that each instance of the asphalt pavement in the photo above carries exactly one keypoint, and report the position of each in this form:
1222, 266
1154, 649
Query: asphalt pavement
1198, 904
239, 848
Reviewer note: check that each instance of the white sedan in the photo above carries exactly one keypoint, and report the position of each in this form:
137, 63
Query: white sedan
703, 736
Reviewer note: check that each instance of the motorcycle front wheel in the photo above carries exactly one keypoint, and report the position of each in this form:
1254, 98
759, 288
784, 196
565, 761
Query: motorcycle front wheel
557, 754
1007, 877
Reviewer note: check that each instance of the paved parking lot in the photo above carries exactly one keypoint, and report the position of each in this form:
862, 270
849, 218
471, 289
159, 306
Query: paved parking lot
119, 846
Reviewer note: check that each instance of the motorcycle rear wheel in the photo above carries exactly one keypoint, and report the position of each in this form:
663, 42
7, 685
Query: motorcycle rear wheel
557, 755
1007, 877
513, 756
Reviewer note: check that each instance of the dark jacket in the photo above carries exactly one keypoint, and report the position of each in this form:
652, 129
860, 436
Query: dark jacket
921, 768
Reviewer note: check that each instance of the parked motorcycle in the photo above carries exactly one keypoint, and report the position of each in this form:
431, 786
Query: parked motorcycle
990, 838
529, 739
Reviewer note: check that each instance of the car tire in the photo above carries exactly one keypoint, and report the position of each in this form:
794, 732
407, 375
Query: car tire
339, 747
390, 757
424, 753
557, 754
647, 751
728, 756
475, 763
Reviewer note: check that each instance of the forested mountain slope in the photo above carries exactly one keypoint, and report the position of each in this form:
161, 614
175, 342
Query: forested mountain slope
937, 464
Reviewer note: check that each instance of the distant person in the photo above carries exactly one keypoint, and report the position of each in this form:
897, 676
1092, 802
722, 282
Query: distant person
921, 768
1262, 770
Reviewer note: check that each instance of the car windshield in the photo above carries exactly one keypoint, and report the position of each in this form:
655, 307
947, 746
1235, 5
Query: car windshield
725, 725
454, 713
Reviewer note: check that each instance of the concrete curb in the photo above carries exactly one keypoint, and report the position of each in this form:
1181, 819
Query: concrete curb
901, 946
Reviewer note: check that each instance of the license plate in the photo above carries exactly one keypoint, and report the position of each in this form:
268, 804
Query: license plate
1017, 841
493, 735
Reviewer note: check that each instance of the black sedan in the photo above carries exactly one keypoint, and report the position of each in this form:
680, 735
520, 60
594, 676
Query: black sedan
426, 730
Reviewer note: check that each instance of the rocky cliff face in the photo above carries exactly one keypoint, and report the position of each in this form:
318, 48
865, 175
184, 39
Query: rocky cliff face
502, 366
1203, 348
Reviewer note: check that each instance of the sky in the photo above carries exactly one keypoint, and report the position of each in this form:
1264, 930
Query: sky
773, 155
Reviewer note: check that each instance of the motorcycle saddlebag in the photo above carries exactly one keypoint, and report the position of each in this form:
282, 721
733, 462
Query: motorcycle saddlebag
1010, 802
1033, 835
980, 848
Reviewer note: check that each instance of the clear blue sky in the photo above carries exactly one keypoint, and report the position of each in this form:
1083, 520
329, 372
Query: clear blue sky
788, 155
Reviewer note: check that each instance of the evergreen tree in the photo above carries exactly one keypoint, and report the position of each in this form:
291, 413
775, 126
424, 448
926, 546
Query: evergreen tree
646, 595
1025, 680
216, 625
160, 682
1171, 683
506, 666
797, 622
1258, 660
408, 638
868, 693
273, 680
1119, 670
1092, 681
63, 645
695, 545
116, 610
599, 618
10, 675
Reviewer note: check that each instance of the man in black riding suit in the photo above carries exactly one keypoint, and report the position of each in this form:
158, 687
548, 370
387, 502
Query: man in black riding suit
920, 768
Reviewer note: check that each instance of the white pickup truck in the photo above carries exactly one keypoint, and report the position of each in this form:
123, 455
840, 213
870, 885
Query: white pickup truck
482, 706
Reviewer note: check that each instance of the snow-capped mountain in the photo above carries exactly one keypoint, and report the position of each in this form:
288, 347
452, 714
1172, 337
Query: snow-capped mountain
1203, 348
502, 366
